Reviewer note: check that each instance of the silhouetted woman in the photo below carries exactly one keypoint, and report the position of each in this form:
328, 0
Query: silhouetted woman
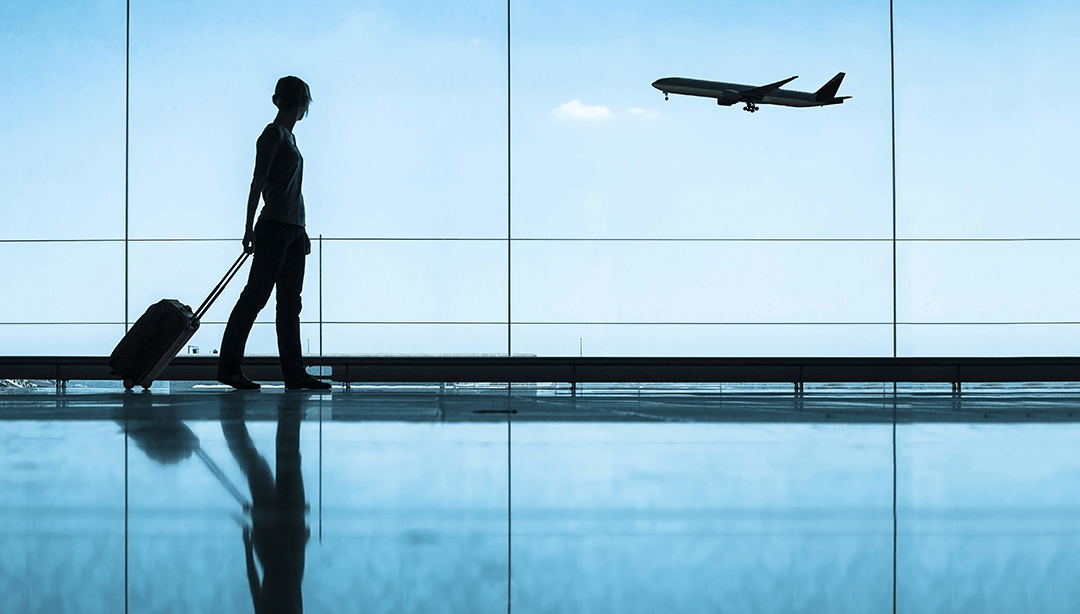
279, 243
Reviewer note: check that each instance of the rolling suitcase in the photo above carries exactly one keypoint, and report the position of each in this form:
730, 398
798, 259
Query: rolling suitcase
157, 336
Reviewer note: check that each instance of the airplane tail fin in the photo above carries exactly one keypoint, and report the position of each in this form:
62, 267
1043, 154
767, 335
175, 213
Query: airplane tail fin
828, 91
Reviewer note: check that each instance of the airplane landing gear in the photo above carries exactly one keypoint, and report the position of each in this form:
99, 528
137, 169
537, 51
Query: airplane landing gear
751, 107
665, 96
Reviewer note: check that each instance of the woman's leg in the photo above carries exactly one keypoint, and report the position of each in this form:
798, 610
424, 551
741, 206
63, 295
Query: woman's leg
271, 246
290, 283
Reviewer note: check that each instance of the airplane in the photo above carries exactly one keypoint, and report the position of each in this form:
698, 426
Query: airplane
727, 94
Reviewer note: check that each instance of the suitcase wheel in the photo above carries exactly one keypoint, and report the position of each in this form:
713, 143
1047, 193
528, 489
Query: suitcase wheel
128, 383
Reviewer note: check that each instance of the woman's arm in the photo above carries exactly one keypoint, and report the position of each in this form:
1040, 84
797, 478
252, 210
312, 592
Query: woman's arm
257, 184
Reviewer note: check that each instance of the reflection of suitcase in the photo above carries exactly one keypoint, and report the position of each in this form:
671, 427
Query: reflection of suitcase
157, 336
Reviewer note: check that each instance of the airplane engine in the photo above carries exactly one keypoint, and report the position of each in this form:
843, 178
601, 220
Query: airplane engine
728, 97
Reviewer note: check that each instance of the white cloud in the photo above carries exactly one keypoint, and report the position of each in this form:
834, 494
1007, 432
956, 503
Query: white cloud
644, 113
574, 110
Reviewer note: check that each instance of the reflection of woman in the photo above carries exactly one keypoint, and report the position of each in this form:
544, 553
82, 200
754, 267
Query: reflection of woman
279, 532
280, 245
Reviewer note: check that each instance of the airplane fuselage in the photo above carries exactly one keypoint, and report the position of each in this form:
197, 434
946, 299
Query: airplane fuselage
728, 94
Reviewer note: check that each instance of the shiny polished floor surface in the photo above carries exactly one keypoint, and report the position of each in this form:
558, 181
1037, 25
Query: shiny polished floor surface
472, 499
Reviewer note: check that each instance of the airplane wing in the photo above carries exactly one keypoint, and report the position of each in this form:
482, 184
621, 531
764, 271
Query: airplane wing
757, 93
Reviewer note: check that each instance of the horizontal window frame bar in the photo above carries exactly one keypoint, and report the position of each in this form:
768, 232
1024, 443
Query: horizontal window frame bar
579, 240
582, 323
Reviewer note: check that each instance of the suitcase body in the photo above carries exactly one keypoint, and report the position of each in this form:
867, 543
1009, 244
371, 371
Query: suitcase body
153, 341
156, 337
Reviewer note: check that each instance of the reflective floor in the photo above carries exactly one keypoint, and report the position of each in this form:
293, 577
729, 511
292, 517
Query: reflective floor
480, 498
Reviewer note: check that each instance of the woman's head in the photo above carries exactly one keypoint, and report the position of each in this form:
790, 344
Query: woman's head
292, 93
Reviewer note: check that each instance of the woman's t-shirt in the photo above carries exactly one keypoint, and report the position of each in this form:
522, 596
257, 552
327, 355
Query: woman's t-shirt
278, 159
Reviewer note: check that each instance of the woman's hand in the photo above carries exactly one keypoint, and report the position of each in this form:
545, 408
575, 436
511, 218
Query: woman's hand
249, 241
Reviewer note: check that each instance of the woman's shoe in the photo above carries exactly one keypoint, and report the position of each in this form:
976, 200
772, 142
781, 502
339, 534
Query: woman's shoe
238, 380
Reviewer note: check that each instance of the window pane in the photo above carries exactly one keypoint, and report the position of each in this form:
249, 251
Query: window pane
985, 119
414, 281
597, 152
63, 134
60, 339
414, 339
63, 282
701, 282
406, 135
987, 281
988, 340
702, 340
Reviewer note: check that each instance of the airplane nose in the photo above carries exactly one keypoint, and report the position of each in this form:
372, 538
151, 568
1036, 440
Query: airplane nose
662, 84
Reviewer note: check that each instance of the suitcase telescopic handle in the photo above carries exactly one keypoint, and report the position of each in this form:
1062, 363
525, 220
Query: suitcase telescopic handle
220, 287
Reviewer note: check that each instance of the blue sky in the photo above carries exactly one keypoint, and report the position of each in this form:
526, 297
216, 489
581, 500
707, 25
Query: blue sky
407, 139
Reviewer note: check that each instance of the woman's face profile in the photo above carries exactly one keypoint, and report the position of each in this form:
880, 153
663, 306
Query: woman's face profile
302, 109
